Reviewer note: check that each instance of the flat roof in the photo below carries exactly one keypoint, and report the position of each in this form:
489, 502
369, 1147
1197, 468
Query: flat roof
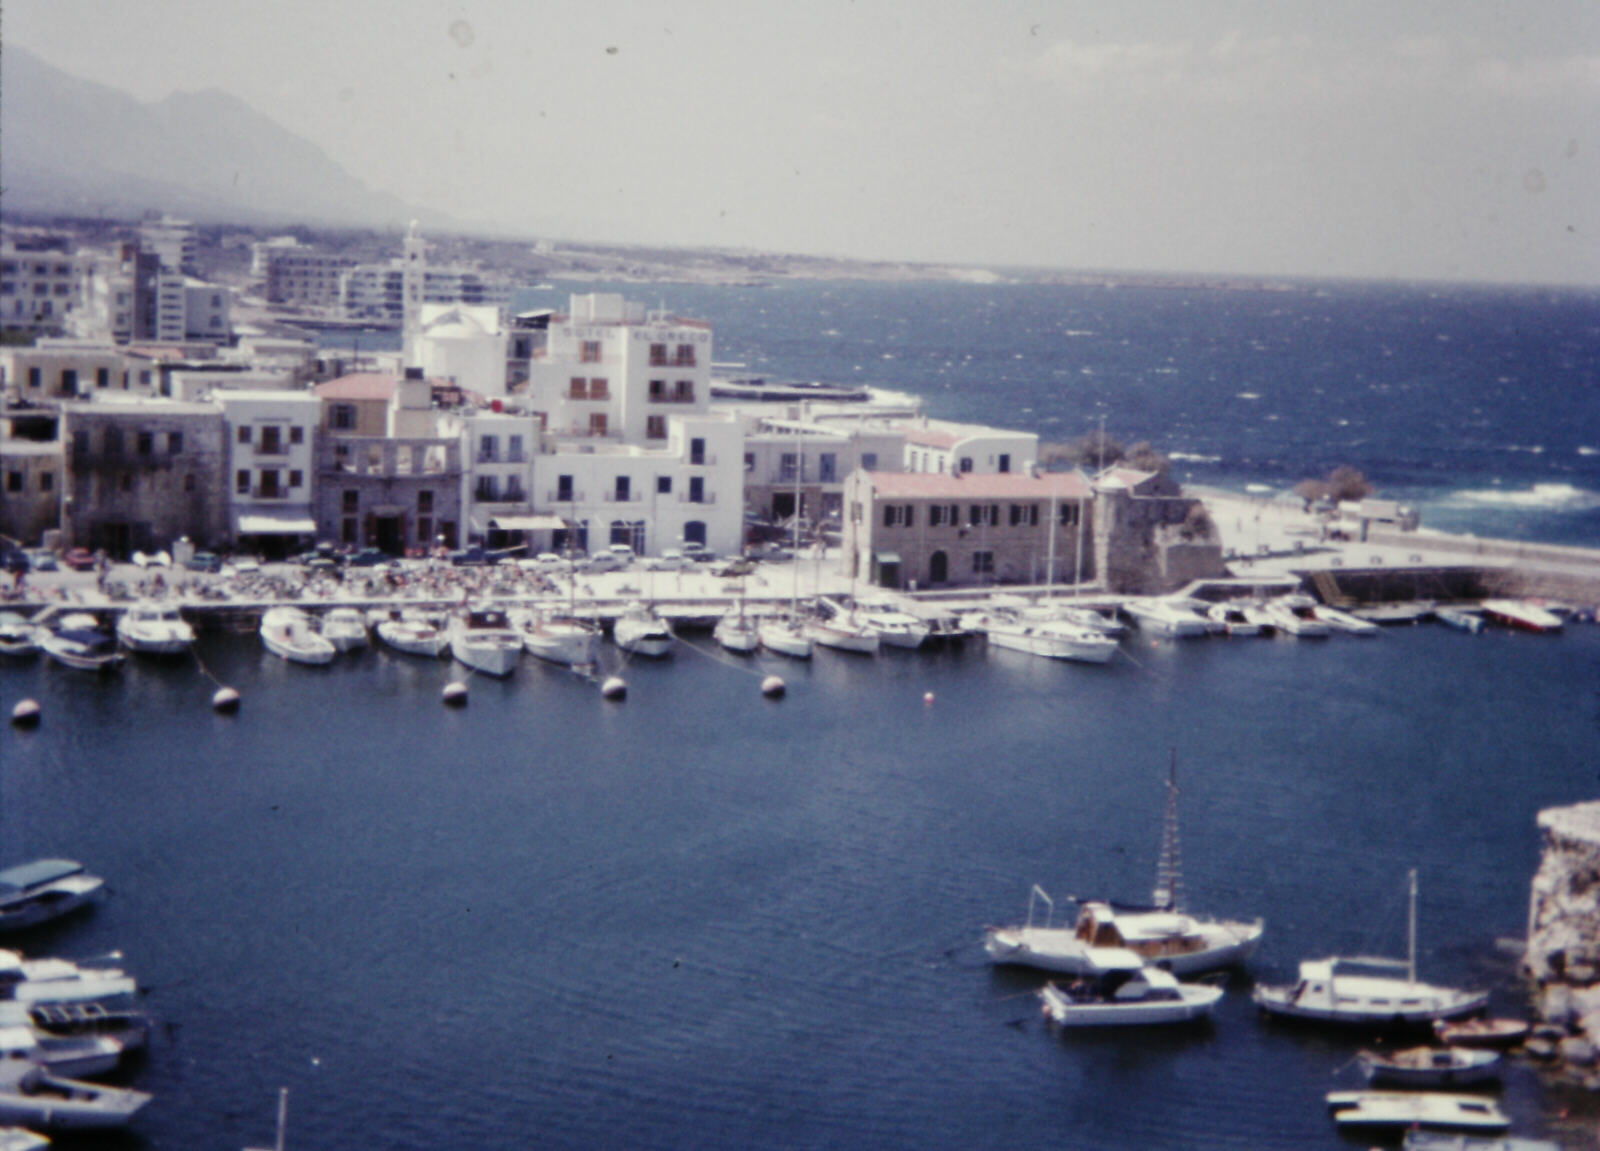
981, 485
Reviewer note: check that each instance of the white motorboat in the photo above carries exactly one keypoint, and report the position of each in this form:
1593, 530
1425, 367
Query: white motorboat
34, 892
1521, 614
737, 632
895, 628
1161, 616
1233, 619
20, 1139
484, 639
1430, 1066
413, 633
1089, 617
18, 637
1261, 616
1296, 615
639, 631
1382, 1110
345, 628
558, 638
785, 635
1343, 621
1369, 991
127, 1025
1482, 1032
1162, 934
155, 628
1052, 638
287, 632
1459, 617
842, 631
32, 1096
51, 980
1120, 989
79, 641
69, 1055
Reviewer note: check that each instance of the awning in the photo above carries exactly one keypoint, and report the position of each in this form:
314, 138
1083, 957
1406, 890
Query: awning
527, 523
267, 524
886, 558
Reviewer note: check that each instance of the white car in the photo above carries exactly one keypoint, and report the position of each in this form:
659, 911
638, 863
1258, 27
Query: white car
668, 561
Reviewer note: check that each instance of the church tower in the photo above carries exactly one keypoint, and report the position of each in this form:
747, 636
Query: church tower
413, 280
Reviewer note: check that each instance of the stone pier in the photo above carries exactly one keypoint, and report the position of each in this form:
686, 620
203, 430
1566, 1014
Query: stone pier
1563, 956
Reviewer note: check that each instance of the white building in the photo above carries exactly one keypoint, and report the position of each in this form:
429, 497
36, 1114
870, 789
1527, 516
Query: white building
38, 289
944, 448
464, 343
294, 273
379, 291
173, 241
271, 467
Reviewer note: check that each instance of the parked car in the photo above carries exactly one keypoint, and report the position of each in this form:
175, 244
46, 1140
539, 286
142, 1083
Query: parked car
473, 556
204, 562
699, 553
323, 557
369, 558
42, 560
736, 567
79, 559
668, 561
14, 560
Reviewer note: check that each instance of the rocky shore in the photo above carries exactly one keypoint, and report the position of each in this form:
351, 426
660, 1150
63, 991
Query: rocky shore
1563, 955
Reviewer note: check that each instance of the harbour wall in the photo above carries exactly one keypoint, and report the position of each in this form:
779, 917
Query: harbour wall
1563, 954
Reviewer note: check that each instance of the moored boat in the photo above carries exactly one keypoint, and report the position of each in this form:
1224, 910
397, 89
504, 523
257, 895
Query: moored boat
1233, 619
79, 642
1343, 621
1461, 618
785, 635
639, 631
34, 892
1052, 638
414, 634
895, 628
1377, 1110
155, 628
558, 638
70, 1055
1481, 1032
287, 632
1164, 617
18, 637
842, 632
484, 640
1296, 615
1430, 1066
32, 1096
345, 628
1121, 990
1521, 614
737, 632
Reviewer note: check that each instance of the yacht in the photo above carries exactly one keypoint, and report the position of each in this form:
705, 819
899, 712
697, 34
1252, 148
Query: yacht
1233, 619
1296, 615
639, 631
79, 641
345, 628
785, 635
155, 628
72, 1055
484, 640
287, 632
413, 633
1161, 616
557, 638
1120, 989
1368, 991
1052, 638
31, 1096
1405, 1110
1521, 614
1343, 621
895, 628
34, 892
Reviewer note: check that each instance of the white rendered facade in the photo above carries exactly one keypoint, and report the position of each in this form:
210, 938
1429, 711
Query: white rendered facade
39, 289
942, 448
294, 273
173, 241
464, 343
272, 461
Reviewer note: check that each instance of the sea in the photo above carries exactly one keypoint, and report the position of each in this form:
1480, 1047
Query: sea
702, 918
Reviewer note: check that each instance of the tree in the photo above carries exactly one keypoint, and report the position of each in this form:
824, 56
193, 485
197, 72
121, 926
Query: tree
1347, 483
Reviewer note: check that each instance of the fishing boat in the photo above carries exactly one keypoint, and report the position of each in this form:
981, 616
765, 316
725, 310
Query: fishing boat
1389, 1110
18, 637
345, 628
32, 893
155, 628
1162, 934
737, 632
1120, 989
557, 637
785, 635
639, 631
1430, 1066
1521, 614
1369, 991
413, 633
79, 642
1481, 1032
32, 1096
288, 632
483, 639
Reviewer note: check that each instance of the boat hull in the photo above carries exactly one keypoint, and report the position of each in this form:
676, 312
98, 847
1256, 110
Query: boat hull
1081, 647
496, 657
785, 639
1194, 1002
413, 639
1059, 949
1281, 1002
1430, 1067
1390, 1110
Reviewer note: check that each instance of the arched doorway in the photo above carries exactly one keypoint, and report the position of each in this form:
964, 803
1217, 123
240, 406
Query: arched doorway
694, 532
938, 568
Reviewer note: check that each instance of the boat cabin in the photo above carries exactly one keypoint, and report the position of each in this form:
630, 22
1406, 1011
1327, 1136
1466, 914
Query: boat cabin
1151, 936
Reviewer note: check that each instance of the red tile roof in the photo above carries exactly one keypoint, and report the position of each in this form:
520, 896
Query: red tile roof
981, 485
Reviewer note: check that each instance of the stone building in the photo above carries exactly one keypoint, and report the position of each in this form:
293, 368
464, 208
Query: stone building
141, 473
31, 467
1148, 536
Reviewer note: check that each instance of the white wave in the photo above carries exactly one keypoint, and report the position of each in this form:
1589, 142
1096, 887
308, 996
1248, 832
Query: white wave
1553, 497
1585, 450
1194, 457
1259, 488
1531, 449
1247, 395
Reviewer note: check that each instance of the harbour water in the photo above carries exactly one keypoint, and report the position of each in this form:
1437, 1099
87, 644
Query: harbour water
700, 918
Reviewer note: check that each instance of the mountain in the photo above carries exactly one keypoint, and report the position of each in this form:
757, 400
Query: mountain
74, 147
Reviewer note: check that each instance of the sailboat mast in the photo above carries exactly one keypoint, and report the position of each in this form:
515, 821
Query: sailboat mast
1411, 932
1168, 895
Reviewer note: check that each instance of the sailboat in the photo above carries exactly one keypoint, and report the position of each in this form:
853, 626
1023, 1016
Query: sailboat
561, 637
1369, 991
786, 634
1163, 934
736, 631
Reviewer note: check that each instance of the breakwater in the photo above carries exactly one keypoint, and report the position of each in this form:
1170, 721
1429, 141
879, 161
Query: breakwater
1563, 956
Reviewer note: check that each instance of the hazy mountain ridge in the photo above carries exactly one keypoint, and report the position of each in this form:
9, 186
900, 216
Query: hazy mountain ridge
72, 145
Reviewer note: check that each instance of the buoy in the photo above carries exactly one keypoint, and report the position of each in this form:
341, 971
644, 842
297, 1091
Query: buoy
225, 700
927, 698
615, 687
455, 695
773, 687
26, 713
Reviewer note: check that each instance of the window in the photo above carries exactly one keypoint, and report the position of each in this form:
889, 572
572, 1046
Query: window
243, 434
935, 515
271, 440
146, 443
424, 504
664, 485
1067, 515
658, 391
624, 489
869, 461
966, 464
488, 489
891, 515
1005, 463
749, 461
188, 482
697, 489
589, 352
685, 358
297, 434
578, 388
658, 355
697, 451
174, 443
684, 392
69, 381
269, 484
102, 377
788, 466
599, 389
564, 489
343, 416
982, 563
597, 423
488, 449
351, 501
47, 481
827, 467
35, 377
655, 427
13, 481
296, 478
514, 449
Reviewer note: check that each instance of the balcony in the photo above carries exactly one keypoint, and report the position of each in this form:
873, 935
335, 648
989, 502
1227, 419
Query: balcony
565, 496
702, 459
615, 497
672, 397
703, 498
269, 493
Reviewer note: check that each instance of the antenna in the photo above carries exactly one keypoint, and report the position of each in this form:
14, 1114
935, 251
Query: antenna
1168, 894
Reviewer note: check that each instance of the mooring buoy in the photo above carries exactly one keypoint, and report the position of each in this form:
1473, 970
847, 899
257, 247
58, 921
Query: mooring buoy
455, 695
927, 698
26, 713
615, 687
225, 700
773, 687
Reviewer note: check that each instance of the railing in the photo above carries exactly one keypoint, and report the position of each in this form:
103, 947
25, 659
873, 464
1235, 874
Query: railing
672, 398
703, 460
624, 497
703, 498
264, 494
279, 449
564, 496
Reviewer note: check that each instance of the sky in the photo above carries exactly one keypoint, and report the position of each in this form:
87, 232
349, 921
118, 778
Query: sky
1407, 139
